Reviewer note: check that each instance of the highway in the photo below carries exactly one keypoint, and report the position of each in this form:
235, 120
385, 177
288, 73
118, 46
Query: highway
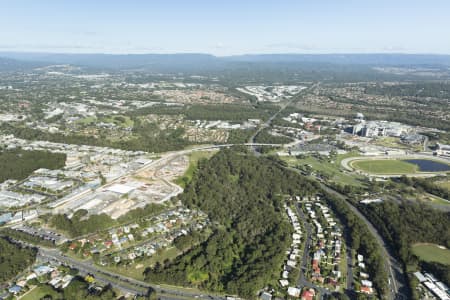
397, 281
398, 288
126, 284
123, 283
269, 121
266, 124
133, 286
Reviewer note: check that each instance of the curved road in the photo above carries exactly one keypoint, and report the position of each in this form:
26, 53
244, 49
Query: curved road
347, 164
398, 289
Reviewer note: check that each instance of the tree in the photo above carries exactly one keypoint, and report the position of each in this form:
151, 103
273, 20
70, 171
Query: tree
14, 259
241, 194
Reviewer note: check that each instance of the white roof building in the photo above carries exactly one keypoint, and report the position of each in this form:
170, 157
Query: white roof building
120, 188
367, 283
420, 277
291, 263
293, 291
284, 282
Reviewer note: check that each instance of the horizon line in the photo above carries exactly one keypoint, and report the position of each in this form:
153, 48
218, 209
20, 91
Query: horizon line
216, 55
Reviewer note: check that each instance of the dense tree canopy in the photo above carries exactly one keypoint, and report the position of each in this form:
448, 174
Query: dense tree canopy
407, 223
403, 224
266, 138
422, 89
14, 259
230, 112
81, 224
243, 197
79, 289
18, 163
428, 185
146, 138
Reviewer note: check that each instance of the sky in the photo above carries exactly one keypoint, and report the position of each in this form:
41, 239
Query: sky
225, 27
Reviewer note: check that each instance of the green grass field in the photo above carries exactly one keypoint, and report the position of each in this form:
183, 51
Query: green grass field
331, 168
194, 157
86, 121
434, 199
385, 166
341, 157
444, 184
394, 142
136, 270
119, 120
431, 252
41, 291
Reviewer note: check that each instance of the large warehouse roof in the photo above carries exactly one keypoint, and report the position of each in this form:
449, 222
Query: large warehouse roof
120, 188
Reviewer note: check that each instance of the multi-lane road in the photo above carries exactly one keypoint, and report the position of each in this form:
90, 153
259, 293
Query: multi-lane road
269, 121
398, 288
123, 283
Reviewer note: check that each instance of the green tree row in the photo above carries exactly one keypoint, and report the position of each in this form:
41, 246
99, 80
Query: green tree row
23, 236
146, 138
81, 224
265, 137
14, 259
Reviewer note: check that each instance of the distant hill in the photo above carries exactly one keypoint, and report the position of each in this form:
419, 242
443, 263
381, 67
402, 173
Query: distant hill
166, 62
201, 62
351, 59
8, 64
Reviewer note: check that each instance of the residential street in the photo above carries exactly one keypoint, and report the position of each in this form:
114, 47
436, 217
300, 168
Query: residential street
397, 281
398, 287
302, 282
349, 266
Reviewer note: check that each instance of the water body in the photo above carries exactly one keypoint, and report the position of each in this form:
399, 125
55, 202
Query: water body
426, 165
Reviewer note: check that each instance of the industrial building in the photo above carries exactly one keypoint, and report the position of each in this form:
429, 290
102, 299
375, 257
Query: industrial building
380, 128
443, 149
